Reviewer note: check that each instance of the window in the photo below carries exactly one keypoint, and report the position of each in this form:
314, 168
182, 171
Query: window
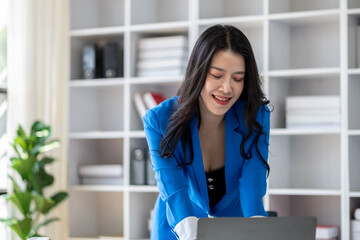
3, 111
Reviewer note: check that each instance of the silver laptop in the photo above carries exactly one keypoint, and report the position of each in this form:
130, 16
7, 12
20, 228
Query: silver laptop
271, 228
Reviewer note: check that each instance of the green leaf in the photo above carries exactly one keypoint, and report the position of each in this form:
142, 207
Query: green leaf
20, 153
24, 167
50, 146
40, 178
15, 185
46, 160
34, 233
21, 228
21, 142
20, 132
43, 205
40, 131
59, 197
21, 200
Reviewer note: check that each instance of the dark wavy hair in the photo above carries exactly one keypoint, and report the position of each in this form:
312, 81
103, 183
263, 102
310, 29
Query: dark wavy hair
215, 38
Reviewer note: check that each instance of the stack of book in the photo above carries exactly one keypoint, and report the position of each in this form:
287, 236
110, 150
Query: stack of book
147, 100
107, 174
327, 232
313, 112
162, 56
355, 225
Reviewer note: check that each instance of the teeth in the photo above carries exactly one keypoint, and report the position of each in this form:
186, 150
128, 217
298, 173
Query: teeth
221, 99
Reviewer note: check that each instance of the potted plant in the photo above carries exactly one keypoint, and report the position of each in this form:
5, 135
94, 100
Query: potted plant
28, 189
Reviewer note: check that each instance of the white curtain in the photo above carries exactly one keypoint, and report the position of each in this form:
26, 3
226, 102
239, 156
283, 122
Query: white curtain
38, 70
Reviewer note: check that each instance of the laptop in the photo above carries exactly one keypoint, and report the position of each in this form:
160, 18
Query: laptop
271, 228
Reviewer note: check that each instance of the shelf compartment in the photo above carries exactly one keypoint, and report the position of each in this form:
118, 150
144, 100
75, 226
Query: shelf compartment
305, 162
304, 42
353, 100
141, 205
325, 208
229, 8
354, 40
155, 11
98, 151
77, 44
354, 163
353, 4
282, 87
134, 57
94, 214
139, 170
96, 13
281, 6
167, 89
97, 109
354, 203
254, 31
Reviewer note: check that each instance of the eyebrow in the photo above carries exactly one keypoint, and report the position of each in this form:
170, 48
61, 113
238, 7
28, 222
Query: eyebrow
222, 70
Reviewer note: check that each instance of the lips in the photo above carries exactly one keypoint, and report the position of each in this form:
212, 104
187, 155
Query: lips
221, 100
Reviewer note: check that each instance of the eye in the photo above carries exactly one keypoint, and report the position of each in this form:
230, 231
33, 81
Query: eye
215, 76
238, 79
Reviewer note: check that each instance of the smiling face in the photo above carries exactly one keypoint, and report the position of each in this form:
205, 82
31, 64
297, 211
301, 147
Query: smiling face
224, 83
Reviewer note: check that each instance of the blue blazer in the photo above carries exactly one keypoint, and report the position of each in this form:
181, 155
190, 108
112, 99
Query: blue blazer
183, 190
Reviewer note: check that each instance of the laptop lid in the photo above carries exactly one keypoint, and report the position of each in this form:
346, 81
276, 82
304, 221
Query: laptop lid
271, 228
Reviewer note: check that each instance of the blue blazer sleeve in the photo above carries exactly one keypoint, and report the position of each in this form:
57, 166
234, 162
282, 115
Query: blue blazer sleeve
252, 184
171, 179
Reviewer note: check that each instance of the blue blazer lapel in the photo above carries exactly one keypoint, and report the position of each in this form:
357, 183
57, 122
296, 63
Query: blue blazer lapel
198, 166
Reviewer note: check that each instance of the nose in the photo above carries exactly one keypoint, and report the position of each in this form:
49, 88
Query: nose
226, 85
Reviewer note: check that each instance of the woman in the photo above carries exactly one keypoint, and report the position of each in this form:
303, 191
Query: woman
209, 145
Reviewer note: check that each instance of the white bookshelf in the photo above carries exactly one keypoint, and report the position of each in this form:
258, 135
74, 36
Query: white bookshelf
302, 48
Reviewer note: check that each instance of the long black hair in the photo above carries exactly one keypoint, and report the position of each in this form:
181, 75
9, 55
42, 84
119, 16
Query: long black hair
215, 38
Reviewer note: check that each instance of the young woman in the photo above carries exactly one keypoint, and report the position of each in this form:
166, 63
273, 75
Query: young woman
209, 144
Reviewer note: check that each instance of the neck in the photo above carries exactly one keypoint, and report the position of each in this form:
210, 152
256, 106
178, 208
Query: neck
209, 120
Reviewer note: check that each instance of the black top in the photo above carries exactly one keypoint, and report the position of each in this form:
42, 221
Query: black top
216, 185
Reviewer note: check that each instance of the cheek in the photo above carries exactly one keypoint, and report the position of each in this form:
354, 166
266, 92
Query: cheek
239, 90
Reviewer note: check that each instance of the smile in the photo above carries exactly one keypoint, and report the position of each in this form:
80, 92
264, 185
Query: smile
221, 100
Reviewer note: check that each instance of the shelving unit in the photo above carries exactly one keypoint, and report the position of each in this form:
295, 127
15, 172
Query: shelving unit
302, 48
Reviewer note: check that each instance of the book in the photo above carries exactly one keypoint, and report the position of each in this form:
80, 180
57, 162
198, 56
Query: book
326, 231
100, 170
102, 180
152, 99
140, 105
175, 72
161, 63
163, 42
149, 54
313, 102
